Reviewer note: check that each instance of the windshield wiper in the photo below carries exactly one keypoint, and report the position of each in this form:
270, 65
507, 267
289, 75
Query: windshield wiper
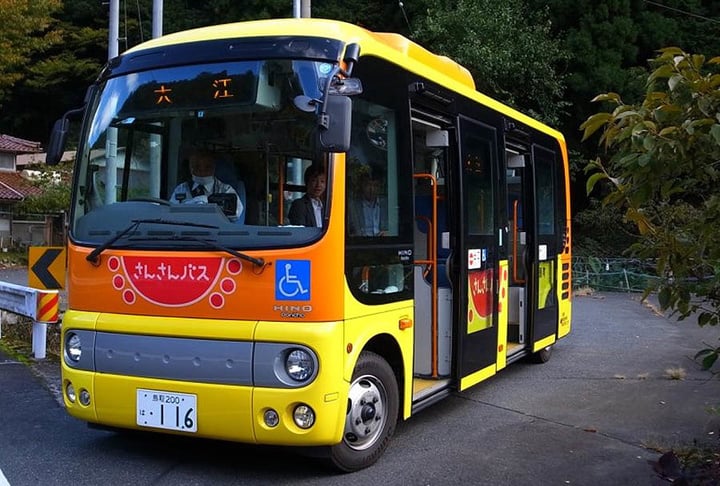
94, 256
260, 262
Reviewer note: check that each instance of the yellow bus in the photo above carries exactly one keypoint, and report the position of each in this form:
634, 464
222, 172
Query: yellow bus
372, 235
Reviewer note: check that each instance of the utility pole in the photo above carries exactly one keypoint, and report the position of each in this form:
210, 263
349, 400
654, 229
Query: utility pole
114, 29
305, 9
155, 155
111, 137
301, 9
157, 19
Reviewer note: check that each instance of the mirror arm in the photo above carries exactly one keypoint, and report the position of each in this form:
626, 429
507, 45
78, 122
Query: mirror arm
323, 119
352, 54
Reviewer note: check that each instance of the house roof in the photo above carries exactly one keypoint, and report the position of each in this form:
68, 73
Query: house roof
18, 145
14, 187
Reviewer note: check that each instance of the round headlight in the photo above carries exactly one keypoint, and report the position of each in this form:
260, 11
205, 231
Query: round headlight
299, 365
271, 418
84, 397
73, 347
304, 416
70, 392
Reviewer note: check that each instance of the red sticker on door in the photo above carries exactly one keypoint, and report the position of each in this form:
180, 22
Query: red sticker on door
480, 299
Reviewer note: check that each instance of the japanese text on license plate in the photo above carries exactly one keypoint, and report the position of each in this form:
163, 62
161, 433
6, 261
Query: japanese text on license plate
167, 410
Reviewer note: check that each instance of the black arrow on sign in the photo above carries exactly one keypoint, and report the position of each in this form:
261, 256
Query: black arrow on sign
41, 269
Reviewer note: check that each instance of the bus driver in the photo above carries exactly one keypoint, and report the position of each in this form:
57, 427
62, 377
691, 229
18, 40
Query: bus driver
203, 182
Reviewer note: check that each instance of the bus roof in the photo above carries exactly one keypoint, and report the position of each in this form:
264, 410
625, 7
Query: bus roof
390, 46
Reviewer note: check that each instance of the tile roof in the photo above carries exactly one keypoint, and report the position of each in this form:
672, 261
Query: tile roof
18, 145
14, 187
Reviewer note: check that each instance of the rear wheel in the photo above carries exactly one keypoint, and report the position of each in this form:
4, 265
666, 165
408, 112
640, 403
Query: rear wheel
372, 413
542, 356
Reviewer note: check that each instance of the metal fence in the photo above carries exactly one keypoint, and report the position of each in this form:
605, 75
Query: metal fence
614, 274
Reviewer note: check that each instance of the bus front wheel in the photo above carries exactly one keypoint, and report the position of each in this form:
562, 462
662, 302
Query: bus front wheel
372, 413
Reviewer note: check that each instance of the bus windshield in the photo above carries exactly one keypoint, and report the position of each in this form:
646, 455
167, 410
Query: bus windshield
220, 145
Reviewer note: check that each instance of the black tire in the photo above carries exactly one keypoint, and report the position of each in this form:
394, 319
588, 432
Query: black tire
372, 414
542, 356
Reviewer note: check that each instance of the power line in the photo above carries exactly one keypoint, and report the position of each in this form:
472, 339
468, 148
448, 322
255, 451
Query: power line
402, 9
684, 12
139, 15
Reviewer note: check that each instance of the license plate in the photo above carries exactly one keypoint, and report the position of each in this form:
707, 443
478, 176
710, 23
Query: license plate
167, 410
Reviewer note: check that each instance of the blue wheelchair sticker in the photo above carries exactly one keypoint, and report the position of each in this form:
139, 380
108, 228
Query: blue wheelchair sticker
292, 280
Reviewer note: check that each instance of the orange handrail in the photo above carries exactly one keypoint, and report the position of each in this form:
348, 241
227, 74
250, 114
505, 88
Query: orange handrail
515, 243
281, 195
432, 261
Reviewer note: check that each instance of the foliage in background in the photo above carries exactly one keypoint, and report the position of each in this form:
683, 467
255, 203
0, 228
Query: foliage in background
609, 43
661, 164
507, 48
533, 54
24, 30
55, 183
55, 79
602, 231
588, 47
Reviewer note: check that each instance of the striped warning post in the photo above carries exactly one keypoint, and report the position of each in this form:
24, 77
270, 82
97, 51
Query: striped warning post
48, 305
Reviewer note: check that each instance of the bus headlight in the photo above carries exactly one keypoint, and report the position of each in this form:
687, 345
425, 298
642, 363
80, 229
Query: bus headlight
299, 365
84, 397
70, 392
271, 417
73, 347
304, 416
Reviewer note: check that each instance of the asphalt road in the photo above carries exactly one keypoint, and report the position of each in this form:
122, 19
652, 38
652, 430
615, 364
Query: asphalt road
595, 414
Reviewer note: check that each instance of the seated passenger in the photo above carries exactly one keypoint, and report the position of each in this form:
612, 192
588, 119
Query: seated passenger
309, 210
368, 214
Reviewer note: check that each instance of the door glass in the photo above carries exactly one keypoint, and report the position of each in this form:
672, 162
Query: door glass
478, 152
545, 194
544, 178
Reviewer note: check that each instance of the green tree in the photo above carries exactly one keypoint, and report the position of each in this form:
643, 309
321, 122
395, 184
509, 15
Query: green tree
56, 78
609, 43
506, 46
661, 163
24, 30
55, 183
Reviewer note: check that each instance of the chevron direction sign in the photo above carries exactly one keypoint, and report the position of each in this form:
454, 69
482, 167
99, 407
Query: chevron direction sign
46, 267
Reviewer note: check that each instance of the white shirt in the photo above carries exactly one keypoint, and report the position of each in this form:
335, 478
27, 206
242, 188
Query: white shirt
370, 218
198, 193
317, 207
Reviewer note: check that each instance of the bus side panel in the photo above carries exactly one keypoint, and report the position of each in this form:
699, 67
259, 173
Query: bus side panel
565, 267
503, 310
375, 321
564, 295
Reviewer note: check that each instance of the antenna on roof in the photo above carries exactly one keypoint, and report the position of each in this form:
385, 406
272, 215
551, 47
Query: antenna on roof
402, 9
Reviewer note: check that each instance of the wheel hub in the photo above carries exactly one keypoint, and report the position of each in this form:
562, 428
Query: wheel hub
366, 418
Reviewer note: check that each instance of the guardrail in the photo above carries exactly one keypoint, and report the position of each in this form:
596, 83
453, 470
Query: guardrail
42, 306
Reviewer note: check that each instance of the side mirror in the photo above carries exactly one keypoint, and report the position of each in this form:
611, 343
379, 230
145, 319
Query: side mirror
335, 124
58, 138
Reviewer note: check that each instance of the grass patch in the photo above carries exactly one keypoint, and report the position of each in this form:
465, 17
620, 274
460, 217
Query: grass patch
17, 338
675, 373
17, 350
694, 465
